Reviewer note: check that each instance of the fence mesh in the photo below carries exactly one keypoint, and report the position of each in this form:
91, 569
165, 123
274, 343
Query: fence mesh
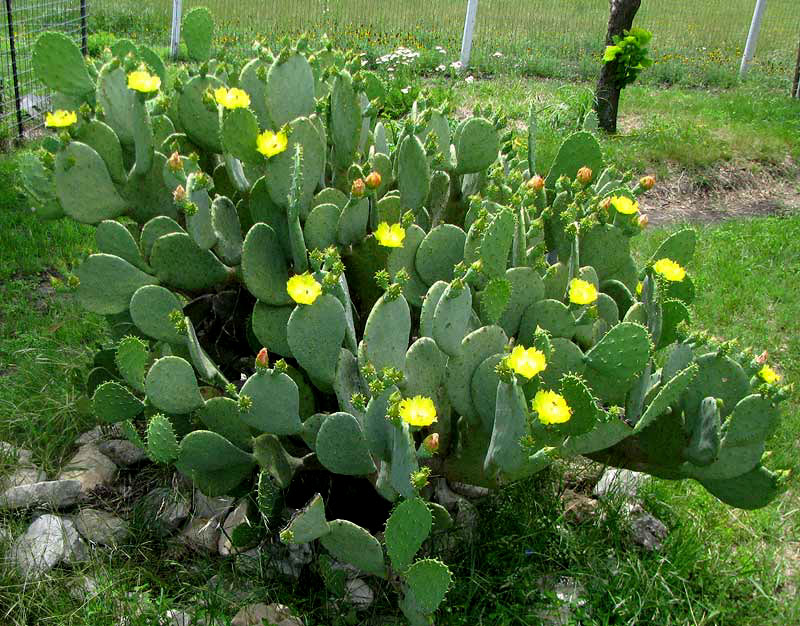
23, 99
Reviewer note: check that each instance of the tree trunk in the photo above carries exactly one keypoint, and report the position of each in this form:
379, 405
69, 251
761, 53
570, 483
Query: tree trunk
606, 101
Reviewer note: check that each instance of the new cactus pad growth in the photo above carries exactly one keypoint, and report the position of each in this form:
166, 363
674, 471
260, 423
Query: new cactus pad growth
385, 297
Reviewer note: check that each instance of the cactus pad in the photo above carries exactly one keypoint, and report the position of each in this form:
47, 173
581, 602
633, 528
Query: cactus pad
172, 387
221, 415
276, 403
132, 359
308, 523
162, 445
342, 446
114, 403
315, 333
214, 464
406, 529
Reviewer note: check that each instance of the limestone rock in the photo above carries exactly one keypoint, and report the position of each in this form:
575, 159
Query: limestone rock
12, 454
55, 494
201, 533
359, 594
101, 527
91, 467
23, 476
204, 506
578, 508
648, 531
48, 541
122, 452
620, 482
167, 508
258, 614
235, 518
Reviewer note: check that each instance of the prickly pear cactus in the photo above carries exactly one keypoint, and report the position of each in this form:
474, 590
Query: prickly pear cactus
294, 289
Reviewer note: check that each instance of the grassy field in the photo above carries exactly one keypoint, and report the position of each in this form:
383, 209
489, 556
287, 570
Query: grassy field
696, 43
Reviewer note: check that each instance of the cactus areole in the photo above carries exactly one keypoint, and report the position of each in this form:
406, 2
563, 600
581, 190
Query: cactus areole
278, 322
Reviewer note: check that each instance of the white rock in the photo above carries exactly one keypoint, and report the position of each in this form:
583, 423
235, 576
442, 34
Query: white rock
204, 506
648, 531
53, 493
201, 533
90, 436
23, 476
167, 508
359, 594
91, 467
258, 614
12, 453
173, 617
236, 517
122, 452
620, 482
101, 527
569, 593
48, 541
84, 589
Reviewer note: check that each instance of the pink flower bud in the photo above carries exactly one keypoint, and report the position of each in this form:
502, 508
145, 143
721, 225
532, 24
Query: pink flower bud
536, 183
584, 175
358, 188
431, 443
373, 181
179, 195
262, 359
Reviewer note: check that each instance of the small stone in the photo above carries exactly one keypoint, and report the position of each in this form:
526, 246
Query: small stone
122, 452
173, 617
201, 533
648, 531
236, 517
48, 541
205, 506
56, 494
13, 454
83, 589
578, 508
167, 508
288, 560
359, 594
90, 436
258, 614
620, 482
472, 492
23, 476
101, 527
569, 595
90, 467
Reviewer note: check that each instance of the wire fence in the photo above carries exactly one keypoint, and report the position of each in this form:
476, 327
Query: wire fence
694, 41
23, 99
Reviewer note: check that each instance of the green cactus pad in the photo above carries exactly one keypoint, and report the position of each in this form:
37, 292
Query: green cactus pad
578, 150
108, 282
607, 250
452, 317
496, 244
198, 32
494, 299
440, 251
162, 445
290, 89
588, 274
345, 120
105, 142
378, 431
113, 238
155, 228
636, 314
352, 544
753, 419
114, 403
256, 88
603, 436
484, 390
302, 132
476, 145
221, 415
475, 348
270, 324
308, 524
132, 359
403, 460
239, 134
427, 582
717, 377
227, 230
555, 281
179, 262
206, 368
199, 120
413, 173
264, 267
276, 404
342, 447
390, 210
83, 185
59, 64
429, 304
619, 293
406, 529
269, 497
351, 226
505, 454
526, 287
330, 195
38, 184
320, 228
315, 333
678, 247
199, 225
150, 307
704, 436
674, 312
550, 315
607, 309
424, 368
404, 258
172, 387
117, 102
148, 195
753, 490
683, 290
272, 457
565, 357
214, 464
621, 354
348, 382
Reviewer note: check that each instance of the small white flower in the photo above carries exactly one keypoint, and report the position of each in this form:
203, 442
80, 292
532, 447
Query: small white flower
406, 89
456, 65
441, 68
469, 79
498, 55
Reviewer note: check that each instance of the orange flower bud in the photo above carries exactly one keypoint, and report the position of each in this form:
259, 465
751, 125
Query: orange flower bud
358, 188
373, 180
536, 183
431, 443
584, 175
643, 221
179, 195
175, 164
262, 359
762, 358
606, 204
647, 182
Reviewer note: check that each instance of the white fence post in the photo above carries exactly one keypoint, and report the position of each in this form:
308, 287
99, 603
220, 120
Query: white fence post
469, 29
752, 37
175, 33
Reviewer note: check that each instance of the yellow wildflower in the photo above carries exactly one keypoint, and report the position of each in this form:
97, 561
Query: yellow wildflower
390, 236
269, 144
303, 288
582, 292
528, 362
143, 81
232, 98
769, 375
551, 407
624, 205
418, 411
670, 270
60, 119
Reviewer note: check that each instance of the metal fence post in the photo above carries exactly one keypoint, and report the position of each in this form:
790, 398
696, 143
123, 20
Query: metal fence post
752, 37
469, 29
84, 30
13, 50
175, 34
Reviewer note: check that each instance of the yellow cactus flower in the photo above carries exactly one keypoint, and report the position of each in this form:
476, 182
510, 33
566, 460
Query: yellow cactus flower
269, 144
639, 287
582, 292
624, 205
670, 270
60, 119
418, 411
390, 236
303, 288
528, 362
769, 375
232, 98
551, 407
143, 81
